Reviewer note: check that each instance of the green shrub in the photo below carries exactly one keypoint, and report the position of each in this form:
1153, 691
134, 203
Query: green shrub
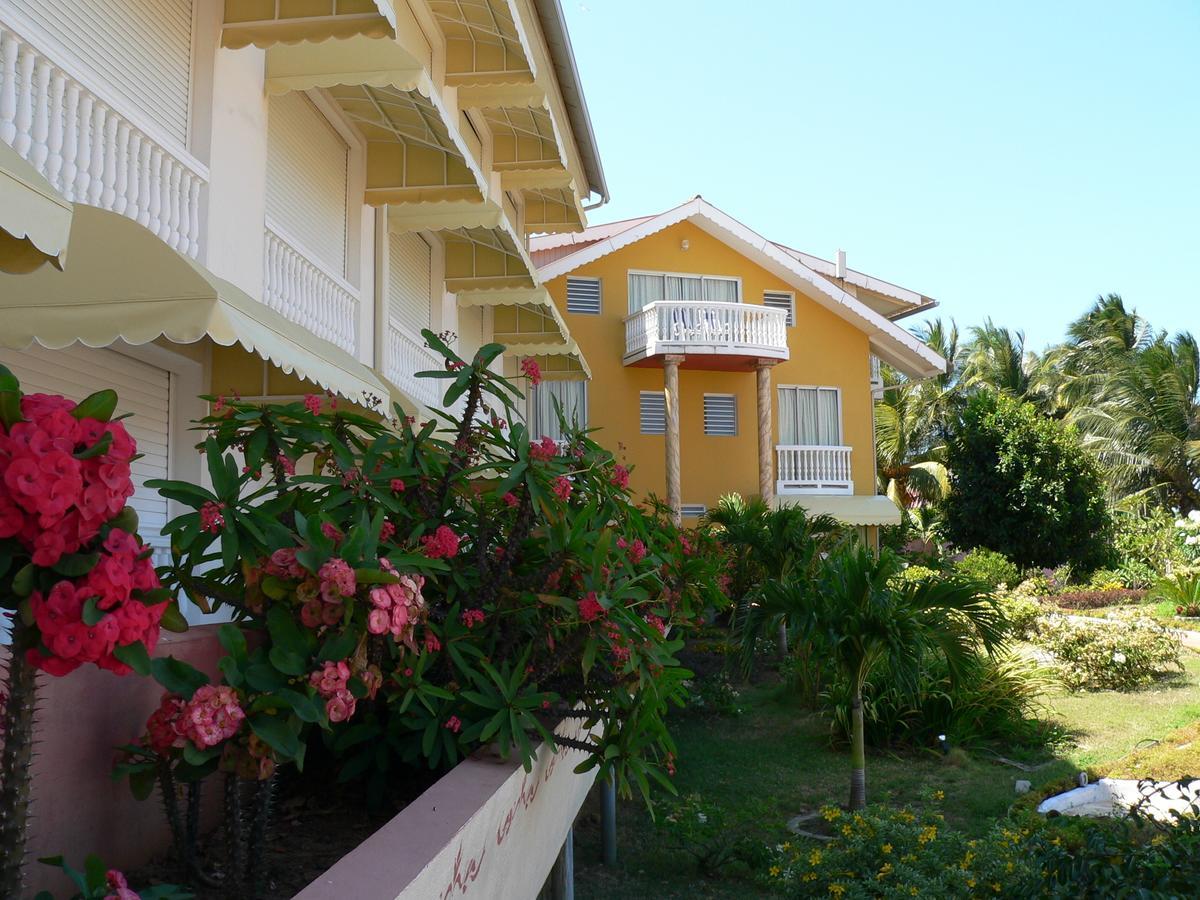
993, 699
989, 567
1022, 484
1147, 538
1121, 654
1137, 575
1022, 609
1180, 589
900, 853
715, 694
1105, 580
913, 575
1098, 598
720, 843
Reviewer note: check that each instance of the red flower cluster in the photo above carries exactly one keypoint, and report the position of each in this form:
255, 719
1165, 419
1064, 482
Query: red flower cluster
562, 488
637, 550
163, 729
53, 502
543, 450
442, 544
620, 477
333, 684
532, 371
211, 716
590, 608
110, 595
471, 618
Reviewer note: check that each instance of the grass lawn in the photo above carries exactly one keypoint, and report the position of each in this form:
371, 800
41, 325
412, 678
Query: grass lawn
775, 761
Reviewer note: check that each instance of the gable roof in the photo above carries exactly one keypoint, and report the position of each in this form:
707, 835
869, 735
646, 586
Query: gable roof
889, 341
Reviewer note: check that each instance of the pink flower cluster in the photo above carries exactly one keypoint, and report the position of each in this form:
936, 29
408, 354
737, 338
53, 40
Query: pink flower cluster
211, 716
590, 608
118, 887
397, 608
637, 550
283, 564
442, 544
332, 683
620, 477
212, 519
54, 503
543, 450
124, 568
562, 488
337, 580
472, 617
531, 370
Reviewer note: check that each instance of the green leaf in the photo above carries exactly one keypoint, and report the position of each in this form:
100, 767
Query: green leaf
589, 656
99, 406
177, 676
263, 677
232, 639
197, 757
338, 646
92, 613
172, 619
306, 708
135, 656
10, 398
24, 581
141, 784
101, 446
229, 549
277, 734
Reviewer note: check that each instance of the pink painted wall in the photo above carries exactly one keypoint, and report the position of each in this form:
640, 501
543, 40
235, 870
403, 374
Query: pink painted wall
77, 808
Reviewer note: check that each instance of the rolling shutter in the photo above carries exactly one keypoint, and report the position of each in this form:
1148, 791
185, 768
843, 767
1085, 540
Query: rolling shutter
781, 300
141, 48
307, 163
720, 415
653, 412
409, 281
142, 390
583, 296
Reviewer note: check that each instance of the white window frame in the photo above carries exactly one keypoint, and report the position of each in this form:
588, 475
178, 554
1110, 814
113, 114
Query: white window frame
641, 418
841, 431
736, 422
736, 279
599, 295
791, 312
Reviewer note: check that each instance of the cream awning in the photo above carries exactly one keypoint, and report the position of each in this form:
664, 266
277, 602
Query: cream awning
34, 220
848, 508
126, 284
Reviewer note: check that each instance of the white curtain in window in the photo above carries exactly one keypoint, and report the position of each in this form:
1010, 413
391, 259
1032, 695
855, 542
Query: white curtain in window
829, 424
683, 287
644, 289
809, 416
543, 420
721, 290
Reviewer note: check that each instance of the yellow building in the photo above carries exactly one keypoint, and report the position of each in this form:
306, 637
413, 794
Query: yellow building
721, 361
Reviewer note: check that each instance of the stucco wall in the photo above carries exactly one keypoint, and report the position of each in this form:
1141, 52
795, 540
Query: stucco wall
825, 350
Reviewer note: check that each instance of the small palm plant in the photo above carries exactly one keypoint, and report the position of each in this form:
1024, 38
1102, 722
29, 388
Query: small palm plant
857, 616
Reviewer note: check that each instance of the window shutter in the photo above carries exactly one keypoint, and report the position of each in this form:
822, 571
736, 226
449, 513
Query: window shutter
410, 293
654, 412
720, 415
692, 510
583, 296
781, 300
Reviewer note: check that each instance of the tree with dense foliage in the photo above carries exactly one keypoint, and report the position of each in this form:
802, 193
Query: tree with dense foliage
1023, 485
856, 615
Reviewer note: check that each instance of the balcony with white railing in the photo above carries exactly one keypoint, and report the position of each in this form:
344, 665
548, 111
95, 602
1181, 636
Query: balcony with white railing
91, 151
405, 354
812, 469
710, 334
303, 290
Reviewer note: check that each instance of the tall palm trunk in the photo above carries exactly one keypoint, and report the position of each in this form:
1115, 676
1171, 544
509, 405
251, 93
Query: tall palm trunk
858, 753
782, 639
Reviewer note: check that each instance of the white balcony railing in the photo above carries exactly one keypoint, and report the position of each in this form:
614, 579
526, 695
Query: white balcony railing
812, 469
405, 355
90, 152
701, 327
307, 293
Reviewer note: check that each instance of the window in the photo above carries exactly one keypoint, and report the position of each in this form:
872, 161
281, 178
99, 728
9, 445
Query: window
646, 287
692, 510
571, 397
810, 416
583, 296
654, 412
720, 415
782, 300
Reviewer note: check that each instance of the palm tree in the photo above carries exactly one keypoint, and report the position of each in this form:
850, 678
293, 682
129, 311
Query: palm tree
907, 447
858, 617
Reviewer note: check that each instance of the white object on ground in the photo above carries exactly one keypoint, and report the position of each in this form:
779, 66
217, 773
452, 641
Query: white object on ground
1023, 786
1115, 797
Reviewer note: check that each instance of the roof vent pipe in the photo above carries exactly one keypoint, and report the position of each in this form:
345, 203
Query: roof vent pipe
841, 264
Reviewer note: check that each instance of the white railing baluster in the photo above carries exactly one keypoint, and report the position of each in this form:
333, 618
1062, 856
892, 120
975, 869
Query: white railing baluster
299, 288
699, 327
812, 469
90, 151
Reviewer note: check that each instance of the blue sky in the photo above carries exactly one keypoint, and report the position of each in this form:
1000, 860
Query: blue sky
1012, 160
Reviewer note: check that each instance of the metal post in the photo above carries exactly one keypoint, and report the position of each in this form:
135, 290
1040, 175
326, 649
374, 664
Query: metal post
608, 821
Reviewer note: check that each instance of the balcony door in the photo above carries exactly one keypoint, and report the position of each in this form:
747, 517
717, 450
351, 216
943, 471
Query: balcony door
810, 416
647, 287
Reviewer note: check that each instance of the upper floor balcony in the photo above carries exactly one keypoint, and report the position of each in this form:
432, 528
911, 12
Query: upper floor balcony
812, 469
710, 334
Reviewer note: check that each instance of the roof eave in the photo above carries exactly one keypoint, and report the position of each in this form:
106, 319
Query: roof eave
558, 42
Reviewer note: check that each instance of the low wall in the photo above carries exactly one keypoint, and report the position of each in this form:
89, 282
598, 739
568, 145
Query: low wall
77, 808
488, 830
